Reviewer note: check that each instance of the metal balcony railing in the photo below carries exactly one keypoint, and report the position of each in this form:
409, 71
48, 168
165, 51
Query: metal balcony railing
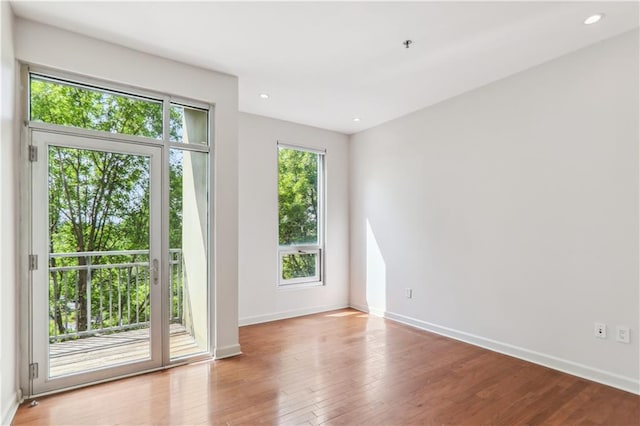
107, 291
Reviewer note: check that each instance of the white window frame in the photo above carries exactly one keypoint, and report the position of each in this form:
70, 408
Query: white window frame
165, 144
317, 249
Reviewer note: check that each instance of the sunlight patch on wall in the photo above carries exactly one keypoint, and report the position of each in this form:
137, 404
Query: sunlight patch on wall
376, 275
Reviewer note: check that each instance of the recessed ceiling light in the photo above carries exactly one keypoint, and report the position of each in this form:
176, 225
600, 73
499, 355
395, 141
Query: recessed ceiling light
594, 18
356, 119
264, 95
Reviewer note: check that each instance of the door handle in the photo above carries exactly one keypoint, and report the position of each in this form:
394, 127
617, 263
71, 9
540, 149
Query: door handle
155, 271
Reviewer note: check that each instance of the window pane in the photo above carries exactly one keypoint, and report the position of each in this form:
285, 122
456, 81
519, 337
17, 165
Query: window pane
99, 278
188, 125
299, 265
298, 197
188, 248
55, 102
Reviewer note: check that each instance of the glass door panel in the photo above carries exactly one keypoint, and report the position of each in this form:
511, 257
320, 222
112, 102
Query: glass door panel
96, 294
188, 242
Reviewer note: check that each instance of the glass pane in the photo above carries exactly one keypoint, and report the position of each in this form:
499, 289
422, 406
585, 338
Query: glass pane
188, 125
98, 259
298, 201
55, 102
188, 242
299, 266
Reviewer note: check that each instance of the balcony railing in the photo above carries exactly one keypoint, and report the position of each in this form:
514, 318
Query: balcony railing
107, 291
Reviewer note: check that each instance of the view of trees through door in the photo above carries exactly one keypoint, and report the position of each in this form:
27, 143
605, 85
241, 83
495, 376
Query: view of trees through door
98, 201
100, 271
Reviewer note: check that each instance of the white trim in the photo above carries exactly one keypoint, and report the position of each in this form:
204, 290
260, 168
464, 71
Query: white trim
106, 380
212, 219
189, 103
258, 319
49, 78
576, 369
10, 411
286, 145
368, 309
361, 308
189, 147
165, 255
93, 134
300, 286
227, 351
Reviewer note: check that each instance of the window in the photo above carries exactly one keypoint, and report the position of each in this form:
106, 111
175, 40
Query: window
120, 199
188, 125
60, 102
300, 215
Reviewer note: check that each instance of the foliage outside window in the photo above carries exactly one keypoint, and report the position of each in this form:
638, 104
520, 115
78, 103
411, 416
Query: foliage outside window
99, 201
66, 104
300, 190
79, 180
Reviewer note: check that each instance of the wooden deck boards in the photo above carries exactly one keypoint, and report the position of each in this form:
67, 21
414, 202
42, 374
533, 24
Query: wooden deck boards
95, 352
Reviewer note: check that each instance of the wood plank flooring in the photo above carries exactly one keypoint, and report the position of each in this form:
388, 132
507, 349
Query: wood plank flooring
344, 367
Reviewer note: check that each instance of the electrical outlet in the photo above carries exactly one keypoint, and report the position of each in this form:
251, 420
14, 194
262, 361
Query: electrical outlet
622, 334
408, 292
600, 330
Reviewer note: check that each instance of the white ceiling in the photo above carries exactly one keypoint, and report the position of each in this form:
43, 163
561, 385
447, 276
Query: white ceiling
325, 63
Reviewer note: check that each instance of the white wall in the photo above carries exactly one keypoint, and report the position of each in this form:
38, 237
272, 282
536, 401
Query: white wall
46, 46
260, 298
8, 184
512, 212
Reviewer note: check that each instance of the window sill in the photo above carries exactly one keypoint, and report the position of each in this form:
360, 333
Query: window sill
300, 286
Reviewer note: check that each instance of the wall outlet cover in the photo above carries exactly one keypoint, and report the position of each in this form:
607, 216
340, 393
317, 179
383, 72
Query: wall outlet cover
622, 334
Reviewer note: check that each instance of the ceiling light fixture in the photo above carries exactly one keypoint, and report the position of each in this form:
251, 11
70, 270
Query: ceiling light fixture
356, 119
594, 18
264, 95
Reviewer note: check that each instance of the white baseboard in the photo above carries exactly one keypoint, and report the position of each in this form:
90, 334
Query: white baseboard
227, 351
10, 412
590, 373
289, 314
368, 309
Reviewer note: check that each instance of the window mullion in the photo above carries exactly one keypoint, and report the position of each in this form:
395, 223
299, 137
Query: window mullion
166, 128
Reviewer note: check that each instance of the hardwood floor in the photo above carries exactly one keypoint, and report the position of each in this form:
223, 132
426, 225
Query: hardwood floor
344, 367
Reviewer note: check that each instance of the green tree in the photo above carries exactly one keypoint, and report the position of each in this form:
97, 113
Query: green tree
101, 202
67, 105
98, 201
298, 208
